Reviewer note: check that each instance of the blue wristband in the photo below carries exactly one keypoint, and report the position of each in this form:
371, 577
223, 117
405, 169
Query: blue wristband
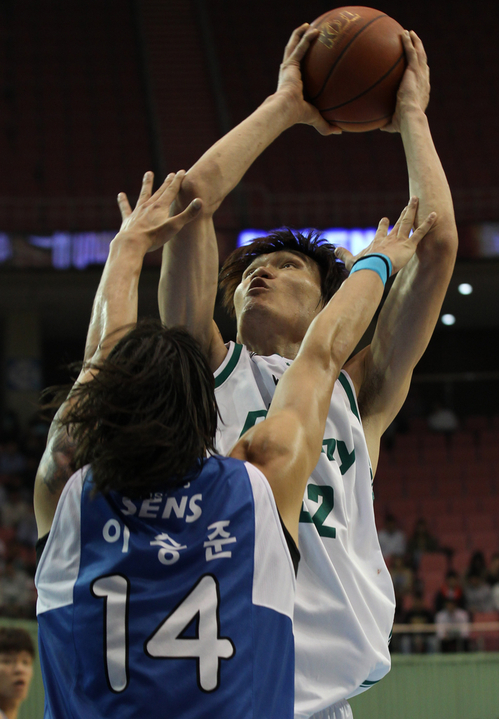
381, 264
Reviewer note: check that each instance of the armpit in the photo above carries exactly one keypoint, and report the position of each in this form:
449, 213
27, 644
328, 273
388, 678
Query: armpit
369, 392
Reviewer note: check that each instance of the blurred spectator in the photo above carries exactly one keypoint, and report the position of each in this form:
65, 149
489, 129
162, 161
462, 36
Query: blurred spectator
27, 533
16, 669
419, 613
452, 590
12, 460
421, 541
477, 564
492, 573
477, 594
402, 577
17, 592
14, 509
392, 539
442, 419
9, 425
495, 597
452, 629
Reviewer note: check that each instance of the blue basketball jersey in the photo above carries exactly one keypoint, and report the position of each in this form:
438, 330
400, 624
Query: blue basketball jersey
179, 605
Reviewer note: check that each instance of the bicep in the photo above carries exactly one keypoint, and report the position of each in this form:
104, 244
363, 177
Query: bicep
56, 467
57, 462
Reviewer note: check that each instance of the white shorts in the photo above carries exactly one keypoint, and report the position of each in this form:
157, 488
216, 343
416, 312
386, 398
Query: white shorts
341, 710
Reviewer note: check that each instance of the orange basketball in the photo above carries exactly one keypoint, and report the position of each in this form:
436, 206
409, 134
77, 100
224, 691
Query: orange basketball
352, 70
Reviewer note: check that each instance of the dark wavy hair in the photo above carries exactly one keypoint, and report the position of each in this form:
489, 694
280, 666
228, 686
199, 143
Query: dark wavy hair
149, 416
332, 270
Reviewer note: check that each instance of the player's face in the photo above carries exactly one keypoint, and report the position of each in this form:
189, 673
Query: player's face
16, 672
282, 286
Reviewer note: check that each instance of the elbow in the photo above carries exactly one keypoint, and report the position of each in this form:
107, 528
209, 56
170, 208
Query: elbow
199, 185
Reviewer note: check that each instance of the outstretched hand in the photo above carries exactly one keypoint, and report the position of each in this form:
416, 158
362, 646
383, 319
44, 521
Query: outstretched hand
290, 80
150, 221
397, 244
414, 89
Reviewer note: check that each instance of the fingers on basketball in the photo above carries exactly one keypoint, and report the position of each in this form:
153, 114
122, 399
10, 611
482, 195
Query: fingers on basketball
294, 40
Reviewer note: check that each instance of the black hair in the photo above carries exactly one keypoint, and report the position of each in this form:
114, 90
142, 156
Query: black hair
332, 270
14, 640
149, 416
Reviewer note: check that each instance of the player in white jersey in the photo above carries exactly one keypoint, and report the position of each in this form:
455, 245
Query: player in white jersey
123, 581
274, 305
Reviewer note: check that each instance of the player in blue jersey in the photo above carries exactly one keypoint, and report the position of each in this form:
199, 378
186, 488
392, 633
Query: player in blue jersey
166, 573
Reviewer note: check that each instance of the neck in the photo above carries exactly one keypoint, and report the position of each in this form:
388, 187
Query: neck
278, 346
266, 337
9, 710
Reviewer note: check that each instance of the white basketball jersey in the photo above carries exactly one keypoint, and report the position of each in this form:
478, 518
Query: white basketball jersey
345, 601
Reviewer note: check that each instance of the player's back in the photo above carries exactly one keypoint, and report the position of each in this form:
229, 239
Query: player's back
179, 604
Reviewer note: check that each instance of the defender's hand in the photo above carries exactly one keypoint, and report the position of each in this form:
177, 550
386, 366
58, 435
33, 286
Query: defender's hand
397, 244
150, 221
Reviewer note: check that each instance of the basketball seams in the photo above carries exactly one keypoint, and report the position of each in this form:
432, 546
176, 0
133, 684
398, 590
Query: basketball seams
333, 66
364, 92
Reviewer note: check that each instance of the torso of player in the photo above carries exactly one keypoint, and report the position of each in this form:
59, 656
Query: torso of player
166, 601
345, 602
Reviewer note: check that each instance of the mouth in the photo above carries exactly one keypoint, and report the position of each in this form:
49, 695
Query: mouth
257, 284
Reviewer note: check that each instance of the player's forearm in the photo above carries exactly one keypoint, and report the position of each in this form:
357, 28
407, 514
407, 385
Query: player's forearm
330, 340
428, 182
116, 300
220, 169
189, 278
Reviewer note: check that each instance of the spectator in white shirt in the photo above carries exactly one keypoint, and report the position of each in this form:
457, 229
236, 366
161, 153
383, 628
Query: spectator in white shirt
392, 539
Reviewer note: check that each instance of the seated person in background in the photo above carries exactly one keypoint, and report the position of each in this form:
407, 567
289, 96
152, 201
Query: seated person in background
418, 643
392, 539
450, 589
442, 419
402, 577
477, 565
492, 573
477, 594
157, 550
421, 541
17, 653
452, 629
495, 597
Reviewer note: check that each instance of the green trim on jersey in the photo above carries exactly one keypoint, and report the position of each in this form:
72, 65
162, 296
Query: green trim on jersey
351, 397
230, 366
368, 684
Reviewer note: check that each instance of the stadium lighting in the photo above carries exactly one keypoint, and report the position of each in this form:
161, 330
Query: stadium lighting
465, 288
448, 319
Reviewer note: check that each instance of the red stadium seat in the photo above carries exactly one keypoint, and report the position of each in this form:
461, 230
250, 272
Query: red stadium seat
433, 563
461, 560
486, 541
454, 540
479, 523
485, 639
450, 523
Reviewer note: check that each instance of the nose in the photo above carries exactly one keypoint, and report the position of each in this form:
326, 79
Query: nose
263, 271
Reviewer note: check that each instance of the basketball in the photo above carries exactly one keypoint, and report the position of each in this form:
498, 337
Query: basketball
352, 70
